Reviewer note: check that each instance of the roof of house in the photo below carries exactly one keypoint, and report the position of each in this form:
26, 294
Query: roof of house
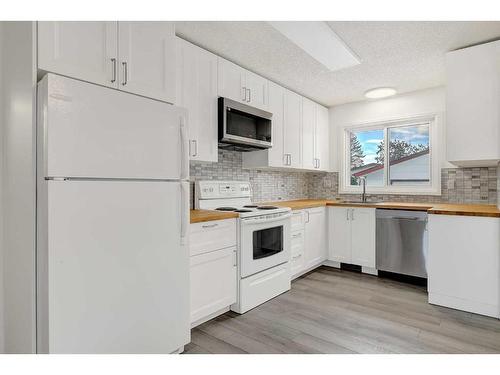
377, 167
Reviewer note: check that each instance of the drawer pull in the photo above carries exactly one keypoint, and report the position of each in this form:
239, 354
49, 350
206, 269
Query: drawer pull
296, 256
210, 225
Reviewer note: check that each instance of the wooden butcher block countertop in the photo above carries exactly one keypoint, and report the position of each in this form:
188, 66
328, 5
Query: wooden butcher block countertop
486, 210
199, 216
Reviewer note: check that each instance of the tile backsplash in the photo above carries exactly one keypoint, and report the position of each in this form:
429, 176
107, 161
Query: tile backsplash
458, 185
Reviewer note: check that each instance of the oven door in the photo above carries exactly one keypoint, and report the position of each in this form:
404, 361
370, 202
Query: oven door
264, 242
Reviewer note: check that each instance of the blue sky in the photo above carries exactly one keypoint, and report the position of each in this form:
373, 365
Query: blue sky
371, 138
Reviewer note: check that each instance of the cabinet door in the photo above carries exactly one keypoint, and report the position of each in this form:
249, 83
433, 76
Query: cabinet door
363, 237
308, 134
197, 91
292, 129
147, 59
84, 50
257, 90
213, 282
315, 237
322, 138
340, 234
231, 79
472, 97
276, 104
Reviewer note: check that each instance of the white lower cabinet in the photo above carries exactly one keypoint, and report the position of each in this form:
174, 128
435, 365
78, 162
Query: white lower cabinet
213, 268
213, 282
352, 236
309, 240
463, 263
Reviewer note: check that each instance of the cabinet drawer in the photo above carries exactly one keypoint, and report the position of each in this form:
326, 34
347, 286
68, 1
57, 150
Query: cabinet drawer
297, 264
297, 243
213, 282
297, 220
211, 235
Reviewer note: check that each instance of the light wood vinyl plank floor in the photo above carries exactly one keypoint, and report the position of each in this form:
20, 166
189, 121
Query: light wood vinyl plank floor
336, 311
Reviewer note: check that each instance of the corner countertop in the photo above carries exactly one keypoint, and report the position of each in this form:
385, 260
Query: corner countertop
199, 216
485, 210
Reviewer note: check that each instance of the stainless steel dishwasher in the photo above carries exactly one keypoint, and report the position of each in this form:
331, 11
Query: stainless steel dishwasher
401, 242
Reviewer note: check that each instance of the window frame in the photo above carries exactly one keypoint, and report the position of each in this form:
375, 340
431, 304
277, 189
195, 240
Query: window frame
433, 188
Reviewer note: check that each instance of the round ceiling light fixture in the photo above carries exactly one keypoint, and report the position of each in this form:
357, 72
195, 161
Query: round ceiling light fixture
380, 92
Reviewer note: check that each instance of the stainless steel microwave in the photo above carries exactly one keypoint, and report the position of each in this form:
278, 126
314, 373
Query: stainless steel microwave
243, 128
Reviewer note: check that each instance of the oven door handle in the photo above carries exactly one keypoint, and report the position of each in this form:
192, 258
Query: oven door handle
260, 221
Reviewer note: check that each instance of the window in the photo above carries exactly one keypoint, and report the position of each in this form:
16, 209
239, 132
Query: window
404, 166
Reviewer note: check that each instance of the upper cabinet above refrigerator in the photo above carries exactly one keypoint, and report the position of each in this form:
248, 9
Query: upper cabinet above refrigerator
137, 57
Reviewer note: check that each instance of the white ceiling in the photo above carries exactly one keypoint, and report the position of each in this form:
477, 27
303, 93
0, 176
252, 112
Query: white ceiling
406, 55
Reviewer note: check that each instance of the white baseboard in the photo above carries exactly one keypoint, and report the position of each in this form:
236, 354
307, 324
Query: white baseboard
331, 263
209, 317
464, 305
369, 270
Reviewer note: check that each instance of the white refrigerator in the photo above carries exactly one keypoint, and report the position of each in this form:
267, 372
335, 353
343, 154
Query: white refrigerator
112, 221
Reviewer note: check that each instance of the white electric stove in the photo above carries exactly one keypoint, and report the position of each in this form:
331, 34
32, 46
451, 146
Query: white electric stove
263, 240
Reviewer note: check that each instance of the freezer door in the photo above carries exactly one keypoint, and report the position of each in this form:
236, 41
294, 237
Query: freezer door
93, 131
115, 278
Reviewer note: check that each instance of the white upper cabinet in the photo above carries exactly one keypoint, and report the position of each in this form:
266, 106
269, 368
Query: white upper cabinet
138, 57
322, 139
257, 89
292, 130
231, 81
309, 160
147, 59
472, 105
83, 50
240, 85
197, 91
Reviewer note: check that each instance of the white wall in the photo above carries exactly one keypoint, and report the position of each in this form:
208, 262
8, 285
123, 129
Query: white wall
18, 178
402, 106
2, 338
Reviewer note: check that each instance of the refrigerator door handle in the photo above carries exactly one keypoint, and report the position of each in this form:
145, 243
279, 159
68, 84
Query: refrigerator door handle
184, 150
184, 211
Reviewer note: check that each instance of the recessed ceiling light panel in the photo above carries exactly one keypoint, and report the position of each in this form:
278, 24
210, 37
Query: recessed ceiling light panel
318, 40
380, 92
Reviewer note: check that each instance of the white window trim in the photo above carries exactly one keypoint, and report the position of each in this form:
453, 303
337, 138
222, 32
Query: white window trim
433, 189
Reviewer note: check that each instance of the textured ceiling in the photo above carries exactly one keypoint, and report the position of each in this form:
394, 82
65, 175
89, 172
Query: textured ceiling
406, 55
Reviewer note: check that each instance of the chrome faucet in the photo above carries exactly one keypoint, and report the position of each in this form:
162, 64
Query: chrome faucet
362, 180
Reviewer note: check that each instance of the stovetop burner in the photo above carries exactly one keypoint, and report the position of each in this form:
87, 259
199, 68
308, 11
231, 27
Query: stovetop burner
243, 210
226, 209
267, 207
251, 206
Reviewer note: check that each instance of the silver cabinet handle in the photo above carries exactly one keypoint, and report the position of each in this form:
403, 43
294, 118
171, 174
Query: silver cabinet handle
193, 142
249, 95
297, 256
235, 259
297, 235
307, 216
113, 67
289, 159
244, 94
125, 73
352, 213
319, 163
210, 225
347, 213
